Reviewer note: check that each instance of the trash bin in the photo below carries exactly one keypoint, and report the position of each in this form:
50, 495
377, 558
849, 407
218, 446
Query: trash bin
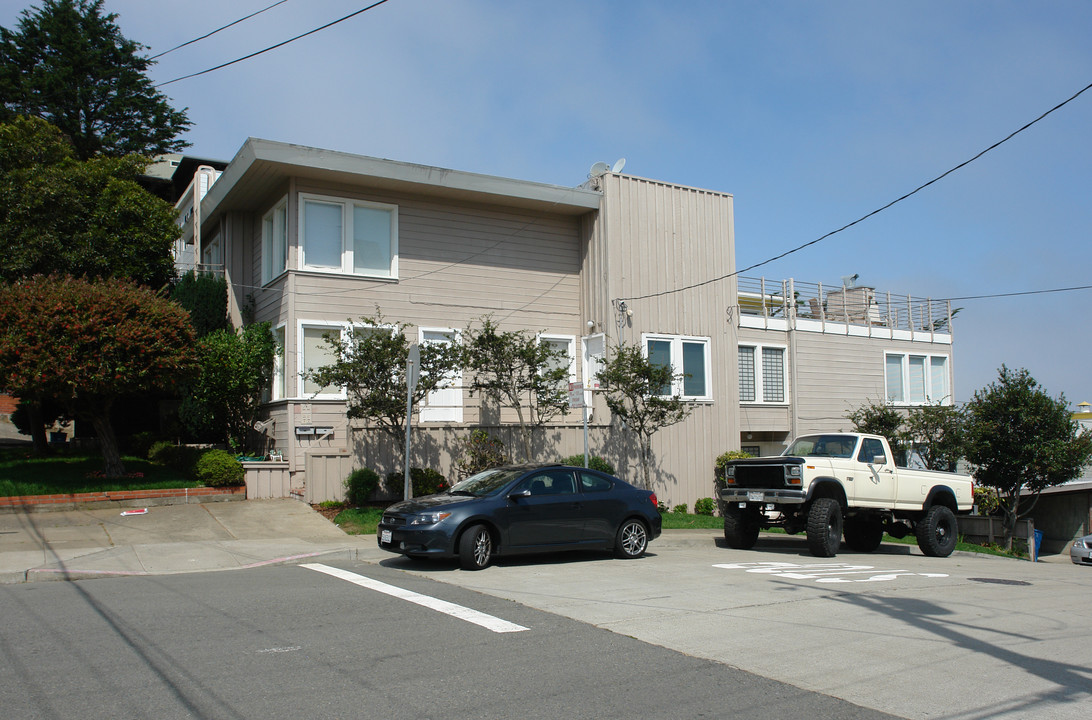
1038, 543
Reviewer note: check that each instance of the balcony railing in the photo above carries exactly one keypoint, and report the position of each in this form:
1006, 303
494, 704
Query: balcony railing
858, 305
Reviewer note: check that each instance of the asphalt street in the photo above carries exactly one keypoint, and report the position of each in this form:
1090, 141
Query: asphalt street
964, 637
295, 641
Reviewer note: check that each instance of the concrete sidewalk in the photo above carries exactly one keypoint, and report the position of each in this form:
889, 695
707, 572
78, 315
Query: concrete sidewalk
168, 539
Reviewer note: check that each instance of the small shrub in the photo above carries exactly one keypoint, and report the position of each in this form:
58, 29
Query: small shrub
724, 457
705, 506
139, 444
480, 451
360, 485
218, 468
594, 462
661, 506
679, 509
425, 481
986, 500
177, 457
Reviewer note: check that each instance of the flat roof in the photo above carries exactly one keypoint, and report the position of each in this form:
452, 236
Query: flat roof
261, 166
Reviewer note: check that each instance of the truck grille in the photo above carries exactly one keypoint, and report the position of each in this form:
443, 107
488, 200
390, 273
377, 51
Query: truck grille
760, 476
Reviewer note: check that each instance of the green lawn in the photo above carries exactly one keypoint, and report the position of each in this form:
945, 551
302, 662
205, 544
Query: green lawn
21, 473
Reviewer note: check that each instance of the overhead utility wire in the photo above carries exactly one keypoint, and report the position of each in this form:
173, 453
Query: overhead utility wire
1014, 294
874, 212
206, 35
274, 47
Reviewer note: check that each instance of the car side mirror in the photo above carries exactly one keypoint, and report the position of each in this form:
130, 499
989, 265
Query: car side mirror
879, 460
526, 492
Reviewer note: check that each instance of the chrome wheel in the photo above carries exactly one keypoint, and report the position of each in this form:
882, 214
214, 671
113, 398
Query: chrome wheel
475, 548
632, 540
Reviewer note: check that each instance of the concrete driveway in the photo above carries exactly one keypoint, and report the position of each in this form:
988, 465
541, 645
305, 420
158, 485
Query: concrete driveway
969, 636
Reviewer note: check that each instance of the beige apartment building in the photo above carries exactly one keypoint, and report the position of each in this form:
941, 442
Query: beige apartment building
312, 240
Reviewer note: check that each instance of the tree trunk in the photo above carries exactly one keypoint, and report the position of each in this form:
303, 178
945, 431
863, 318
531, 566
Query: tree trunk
108, 444
645, 445
37, 428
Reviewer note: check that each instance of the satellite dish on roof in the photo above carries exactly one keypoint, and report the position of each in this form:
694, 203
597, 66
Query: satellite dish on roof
618, 165
598, 170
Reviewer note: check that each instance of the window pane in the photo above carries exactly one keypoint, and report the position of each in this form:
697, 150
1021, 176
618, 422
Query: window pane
917, 378
693, 359
316, 353
773, 374
659, 353
279, 385
746, 374
322, 234
280, 241
894, 378
938, 379
371, 241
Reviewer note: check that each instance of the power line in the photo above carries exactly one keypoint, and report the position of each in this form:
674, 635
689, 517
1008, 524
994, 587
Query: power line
874, 212
1015, 294
274, 47
225, 27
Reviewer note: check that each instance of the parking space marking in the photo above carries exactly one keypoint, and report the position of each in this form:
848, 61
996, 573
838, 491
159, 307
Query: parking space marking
825, 572
458, 611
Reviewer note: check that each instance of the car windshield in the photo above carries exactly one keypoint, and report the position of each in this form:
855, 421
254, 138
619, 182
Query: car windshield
486, 482
839, 446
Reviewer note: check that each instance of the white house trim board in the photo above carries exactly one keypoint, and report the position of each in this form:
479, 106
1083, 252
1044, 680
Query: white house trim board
445, 404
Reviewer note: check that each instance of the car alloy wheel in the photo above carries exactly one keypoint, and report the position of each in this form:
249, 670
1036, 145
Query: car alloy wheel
632, 540
475, 548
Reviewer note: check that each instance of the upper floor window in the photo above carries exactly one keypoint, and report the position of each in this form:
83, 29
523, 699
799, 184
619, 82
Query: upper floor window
275, 241
916, 379
353, 237
564, 348
688, 357
761, 374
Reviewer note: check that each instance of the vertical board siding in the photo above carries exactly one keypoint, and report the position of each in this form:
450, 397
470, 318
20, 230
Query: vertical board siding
653, 237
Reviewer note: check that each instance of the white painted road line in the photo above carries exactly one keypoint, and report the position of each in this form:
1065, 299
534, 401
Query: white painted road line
463, 613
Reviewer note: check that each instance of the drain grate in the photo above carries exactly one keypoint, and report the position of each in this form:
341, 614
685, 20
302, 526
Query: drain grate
1000, 581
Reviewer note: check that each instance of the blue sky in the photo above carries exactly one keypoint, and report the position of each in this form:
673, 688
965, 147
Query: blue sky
812, 114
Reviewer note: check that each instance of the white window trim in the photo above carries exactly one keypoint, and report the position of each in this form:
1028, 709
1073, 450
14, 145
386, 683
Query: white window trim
279, 389
443, 413
267, 242
677, 341
301, 325
347, 205
570, 340
760, 378
905, 367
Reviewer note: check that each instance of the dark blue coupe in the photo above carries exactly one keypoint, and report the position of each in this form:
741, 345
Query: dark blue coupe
523, 509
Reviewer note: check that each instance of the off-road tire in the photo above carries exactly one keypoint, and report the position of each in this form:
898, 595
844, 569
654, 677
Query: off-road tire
937, 532
475, 548
863, 534
740, 528
824, 527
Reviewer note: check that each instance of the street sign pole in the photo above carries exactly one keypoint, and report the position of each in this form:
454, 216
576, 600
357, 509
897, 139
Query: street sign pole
413, 373
576, 400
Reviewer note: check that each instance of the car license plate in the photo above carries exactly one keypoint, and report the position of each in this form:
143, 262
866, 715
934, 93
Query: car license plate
385, 537
753, 496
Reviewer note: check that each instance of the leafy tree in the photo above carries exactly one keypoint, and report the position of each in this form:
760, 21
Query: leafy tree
1022, 441
86, 343
517, 371
68, 63
205, 296
881, 419
633, 384
936, 432
226, 396
479, 451
370, 363
61, 215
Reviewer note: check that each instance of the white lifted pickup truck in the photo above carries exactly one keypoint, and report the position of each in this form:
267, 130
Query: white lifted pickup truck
833, 482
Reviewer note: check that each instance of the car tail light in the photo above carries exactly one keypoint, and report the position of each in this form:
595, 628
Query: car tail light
655, 502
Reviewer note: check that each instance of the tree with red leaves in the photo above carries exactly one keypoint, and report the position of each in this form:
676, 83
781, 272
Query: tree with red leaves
88, 342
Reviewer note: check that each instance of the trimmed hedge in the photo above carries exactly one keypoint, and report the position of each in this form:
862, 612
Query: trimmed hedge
219, 468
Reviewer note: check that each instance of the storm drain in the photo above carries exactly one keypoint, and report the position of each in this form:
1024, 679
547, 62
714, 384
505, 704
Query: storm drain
1000, 581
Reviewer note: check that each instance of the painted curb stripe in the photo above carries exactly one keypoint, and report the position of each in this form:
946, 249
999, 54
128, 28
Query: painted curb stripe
463, 613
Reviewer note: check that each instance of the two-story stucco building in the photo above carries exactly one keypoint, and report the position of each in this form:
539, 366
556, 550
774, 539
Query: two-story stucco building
312, 240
